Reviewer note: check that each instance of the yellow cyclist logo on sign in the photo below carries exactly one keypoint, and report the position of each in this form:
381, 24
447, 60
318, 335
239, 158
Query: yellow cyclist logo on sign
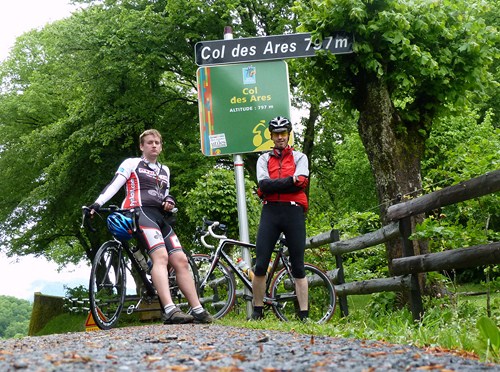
262, 137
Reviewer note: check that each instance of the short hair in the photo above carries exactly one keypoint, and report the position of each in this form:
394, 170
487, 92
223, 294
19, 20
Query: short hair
149, 132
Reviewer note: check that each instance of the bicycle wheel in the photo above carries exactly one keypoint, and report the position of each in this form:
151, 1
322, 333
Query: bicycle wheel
322, 299
177, 295
219, 292
107, 286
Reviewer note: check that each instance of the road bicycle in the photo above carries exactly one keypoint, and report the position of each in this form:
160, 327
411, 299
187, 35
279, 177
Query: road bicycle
218, 286
113, 262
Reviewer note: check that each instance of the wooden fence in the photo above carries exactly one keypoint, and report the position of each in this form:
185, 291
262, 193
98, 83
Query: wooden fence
407, 267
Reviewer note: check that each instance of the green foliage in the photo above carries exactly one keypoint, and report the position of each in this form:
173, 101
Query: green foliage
489, 338
460, 148
63, 323
214, 197
365, 264
342, 180
420, 49
14, 317
370, 263
358, 223
445, 325
444, 235
76, 292
381, 304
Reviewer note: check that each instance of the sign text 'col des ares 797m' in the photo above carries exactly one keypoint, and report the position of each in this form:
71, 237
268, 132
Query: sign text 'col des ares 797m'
269, 48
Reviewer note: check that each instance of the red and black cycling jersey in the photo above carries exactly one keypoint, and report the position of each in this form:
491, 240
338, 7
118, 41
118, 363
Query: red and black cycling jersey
147, 184
275, 172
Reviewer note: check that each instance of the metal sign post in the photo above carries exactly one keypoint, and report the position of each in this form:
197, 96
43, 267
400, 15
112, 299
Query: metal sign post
241, 200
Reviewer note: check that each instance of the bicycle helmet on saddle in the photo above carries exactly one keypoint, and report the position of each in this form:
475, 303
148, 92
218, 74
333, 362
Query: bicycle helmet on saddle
120, 226
280, 124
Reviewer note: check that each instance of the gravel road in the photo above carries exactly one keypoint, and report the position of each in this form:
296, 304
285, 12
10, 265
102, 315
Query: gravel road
219, 348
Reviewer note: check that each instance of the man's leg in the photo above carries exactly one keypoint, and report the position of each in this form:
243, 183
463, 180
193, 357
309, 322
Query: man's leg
266, 238
295, 233
302, 293
184, 277
258, 289
159, 275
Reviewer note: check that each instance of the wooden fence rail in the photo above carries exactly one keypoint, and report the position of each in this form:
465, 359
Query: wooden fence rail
407, 267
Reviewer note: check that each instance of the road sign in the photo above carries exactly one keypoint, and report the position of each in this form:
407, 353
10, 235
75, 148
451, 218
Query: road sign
90, 324
269, 48
236, 102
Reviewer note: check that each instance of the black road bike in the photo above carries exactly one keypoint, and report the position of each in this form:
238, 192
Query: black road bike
222, 280
113, 262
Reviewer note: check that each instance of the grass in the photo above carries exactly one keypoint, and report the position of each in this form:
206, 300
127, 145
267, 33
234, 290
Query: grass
446, 325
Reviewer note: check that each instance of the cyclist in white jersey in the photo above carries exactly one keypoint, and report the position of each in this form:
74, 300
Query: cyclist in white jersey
147, 184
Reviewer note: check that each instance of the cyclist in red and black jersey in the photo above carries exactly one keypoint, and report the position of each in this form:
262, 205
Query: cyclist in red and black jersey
282, 175
147, 184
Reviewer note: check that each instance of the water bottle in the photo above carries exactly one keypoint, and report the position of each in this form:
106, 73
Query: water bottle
139, 257
270, 266
244, 267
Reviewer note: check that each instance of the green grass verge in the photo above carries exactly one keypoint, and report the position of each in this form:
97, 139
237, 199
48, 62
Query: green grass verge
447, 324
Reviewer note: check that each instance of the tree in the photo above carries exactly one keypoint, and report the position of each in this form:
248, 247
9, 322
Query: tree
14, 317
76, 95
410, 59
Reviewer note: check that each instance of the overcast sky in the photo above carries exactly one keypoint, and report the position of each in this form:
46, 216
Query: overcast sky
20, 16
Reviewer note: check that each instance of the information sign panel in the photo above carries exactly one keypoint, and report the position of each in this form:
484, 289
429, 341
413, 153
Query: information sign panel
237, 101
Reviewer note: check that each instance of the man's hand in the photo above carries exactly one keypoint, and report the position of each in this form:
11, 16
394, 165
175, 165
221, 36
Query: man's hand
94, 208
259, 193
168, 204
301, 181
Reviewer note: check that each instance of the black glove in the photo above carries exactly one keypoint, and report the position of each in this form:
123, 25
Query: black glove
94, 207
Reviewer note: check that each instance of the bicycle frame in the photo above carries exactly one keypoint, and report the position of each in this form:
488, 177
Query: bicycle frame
221, 254
150, 292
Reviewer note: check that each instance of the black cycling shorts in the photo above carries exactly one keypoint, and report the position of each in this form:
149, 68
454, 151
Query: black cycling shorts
275, 219
156, 233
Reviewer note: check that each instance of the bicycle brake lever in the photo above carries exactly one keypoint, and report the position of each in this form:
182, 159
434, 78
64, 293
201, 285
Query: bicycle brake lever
86, 219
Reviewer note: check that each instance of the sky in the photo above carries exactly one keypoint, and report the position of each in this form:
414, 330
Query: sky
21, 277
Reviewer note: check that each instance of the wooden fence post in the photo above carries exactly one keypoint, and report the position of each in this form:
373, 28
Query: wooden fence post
417, 309
344, 310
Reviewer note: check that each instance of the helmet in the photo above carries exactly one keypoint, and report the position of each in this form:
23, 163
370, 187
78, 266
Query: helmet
120, 226
280, 124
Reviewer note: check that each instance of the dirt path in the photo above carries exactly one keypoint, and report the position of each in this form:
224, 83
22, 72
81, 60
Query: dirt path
218, 348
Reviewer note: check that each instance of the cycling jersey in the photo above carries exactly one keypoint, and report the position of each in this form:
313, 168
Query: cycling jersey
147, 184
275, 172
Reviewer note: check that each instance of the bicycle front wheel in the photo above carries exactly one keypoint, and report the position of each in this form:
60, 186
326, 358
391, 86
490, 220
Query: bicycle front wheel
107, 286
322, 298
218, 293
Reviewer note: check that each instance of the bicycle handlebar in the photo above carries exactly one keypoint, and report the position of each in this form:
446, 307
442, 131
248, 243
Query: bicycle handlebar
86, 216
210, 226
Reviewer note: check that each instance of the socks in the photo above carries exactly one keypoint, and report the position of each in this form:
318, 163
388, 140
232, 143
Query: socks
168, 308
198, 309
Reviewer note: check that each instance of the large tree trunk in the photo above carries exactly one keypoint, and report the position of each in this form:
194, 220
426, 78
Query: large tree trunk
394, 150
